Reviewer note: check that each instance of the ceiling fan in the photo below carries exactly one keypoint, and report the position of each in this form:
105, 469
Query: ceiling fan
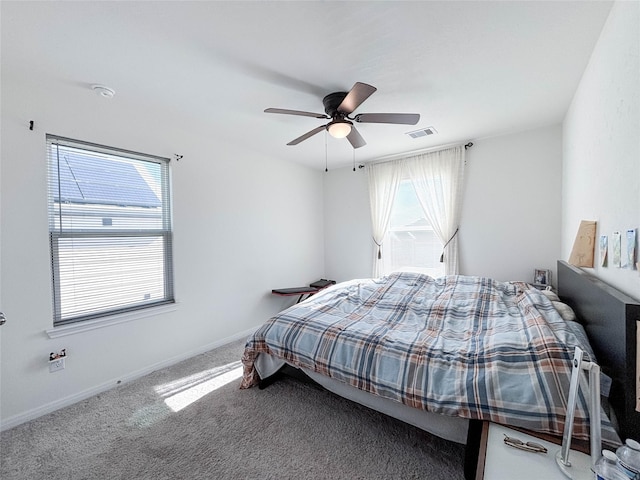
338, 106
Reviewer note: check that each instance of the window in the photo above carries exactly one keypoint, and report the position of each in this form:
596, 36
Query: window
436, 178
110, 230
411, 243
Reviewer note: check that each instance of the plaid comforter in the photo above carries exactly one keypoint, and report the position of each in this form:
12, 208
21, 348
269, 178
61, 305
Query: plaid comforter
457, 345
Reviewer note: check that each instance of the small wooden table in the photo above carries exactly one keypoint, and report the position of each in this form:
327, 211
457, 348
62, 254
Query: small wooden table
301, 291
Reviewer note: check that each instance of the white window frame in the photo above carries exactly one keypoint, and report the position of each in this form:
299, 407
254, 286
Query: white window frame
387, 250
58, 232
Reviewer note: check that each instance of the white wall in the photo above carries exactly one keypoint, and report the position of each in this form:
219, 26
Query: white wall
601, 134
510, 215
511, 211
347, 225
243, 224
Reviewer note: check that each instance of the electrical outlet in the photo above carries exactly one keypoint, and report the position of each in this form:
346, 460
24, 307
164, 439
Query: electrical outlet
56, 364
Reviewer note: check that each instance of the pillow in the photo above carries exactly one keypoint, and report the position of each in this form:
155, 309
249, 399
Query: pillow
565, 311
550, 294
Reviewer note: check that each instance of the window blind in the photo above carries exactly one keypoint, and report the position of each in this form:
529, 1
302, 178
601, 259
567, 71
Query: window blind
109, 228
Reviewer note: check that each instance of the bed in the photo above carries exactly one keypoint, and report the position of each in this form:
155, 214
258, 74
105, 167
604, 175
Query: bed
441, 353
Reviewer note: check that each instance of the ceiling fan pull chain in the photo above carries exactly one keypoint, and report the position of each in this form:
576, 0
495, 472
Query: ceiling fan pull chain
326, 162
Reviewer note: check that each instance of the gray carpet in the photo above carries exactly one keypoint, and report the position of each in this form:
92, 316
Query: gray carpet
291, 430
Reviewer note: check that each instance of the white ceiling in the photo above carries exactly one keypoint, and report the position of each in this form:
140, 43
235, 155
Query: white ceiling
470, 69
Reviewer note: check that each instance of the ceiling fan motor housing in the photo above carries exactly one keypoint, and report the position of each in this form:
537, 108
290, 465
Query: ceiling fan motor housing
331, 103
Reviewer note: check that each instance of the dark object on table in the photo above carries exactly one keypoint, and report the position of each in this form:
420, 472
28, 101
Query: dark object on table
322, 283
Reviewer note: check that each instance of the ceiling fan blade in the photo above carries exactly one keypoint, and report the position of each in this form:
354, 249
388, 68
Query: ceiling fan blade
295, 112
355, 138
399, 118
307, 135
358, 94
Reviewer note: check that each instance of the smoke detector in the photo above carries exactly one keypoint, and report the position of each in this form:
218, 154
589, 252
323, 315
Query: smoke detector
103, 91
422, 132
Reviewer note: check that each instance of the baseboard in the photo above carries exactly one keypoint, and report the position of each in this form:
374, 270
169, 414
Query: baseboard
29, 415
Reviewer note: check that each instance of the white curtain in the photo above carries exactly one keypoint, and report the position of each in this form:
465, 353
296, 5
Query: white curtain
384, 179
438, 181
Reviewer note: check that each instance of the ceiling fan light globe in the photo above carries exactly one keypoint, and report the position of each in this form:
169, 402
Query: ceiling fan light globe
339, 129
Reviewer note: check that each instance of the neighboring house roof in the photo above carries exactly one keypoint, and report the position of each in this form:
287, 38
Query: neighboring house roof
86, 179
421, 222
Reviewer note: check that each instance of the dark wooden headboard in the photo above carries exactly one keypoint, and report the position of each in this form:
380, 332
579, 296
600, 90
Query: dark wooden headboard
609, 317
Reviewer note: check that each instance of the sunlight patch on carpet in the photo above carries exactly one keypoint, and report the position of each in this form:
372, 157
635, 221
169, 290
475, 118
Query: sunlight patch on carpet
187, 390
148, 415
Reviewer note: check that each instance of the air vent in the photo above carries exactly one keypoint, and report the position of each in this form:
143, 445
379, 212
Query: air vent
422, 132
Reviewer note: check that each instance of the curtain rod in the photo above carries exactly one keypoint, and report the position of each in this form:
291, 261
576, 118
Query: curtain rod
396, 156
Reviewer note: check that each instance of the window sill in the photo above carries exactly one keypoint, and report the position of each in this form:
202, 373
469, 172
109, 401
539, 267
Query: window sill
89, 325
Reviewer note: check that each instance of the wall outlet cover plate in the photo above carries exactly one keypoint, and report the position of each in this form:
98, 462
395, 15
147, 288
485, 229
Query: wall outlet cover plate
56, 364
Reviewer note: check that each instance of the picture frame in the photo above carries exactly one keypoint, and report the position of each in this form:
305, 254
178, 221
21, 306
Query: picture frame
541, 276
